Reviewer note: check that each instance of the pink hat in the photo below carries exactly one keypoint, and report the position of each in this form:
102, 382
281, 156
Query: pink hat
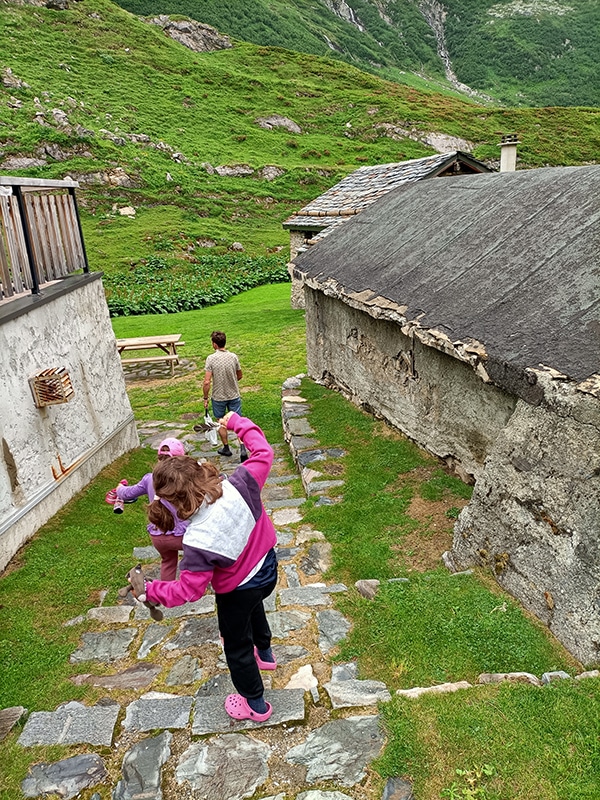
172, 447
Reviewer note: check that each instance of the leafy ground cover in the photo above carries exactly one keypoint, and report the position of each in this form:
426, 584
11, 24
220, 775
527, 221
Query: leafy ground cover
162, 286
501, 743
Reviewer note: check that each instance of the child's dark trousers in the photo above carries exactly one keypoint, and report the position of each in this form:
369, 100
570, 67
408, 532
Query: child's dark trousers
243, 626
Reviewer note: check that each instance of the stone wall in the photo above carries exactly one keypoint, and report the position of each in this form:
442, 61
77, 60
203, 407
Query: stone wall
535, 519
297, 241
297, 292
433, 398
48, 454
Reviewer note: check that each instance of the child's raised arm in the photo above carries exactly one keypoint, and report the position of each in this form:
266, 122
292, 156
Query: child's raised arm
261, 453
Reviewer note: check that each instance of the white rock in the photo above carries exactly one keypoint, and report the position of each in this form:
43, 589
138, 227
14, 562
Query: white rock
442, 688
303, 679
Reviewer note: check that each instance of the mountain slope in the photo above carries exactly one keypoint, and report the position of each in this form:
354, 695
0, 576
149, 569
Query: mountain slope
359, 33
522, 52
539, 52
183, 137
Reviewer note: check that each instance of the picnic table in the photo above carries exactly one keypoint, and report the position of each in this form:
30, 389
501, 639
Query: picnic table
168, 343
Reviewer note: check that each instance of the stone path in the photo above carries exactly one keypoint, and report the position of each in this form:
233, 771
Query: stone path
168, 730
168, 733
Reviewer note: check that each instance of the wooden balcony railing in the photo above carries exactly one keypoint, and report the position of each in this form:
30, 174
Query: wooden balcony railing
40, 234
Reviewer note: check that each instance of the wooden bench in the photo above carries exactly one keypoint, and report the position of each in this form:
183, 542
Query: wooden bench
167, 343
151, 360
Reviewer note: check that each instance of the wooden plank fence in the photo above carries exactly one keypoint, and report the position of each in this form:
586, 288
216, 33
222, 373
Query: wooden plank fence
40, 238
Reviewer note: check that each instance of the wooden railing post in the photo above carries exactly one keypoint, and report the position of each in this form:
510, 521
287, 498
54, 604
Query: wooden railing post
86, 267
35, 281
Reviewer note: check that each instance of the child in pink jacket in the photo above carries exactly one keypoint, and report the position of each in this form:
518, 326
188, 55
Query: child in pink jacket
228, 543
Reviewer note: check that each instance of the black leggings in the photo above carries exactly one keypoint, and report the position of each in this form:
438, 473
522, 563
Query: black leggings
243, 625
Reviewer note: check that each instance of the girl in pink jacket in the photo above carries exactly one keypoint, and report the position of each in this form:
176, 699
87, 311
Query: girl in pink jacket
228, 543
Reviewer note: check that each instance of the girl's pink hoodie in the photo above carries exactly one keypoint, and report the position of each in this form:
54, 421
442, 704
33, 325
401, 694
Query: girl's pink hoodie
225, 542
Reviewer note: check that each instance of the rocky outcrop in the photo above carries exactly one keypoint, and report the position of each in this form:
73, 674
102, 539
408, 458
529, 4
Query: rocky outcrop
269, 173
342, 10
435, 16
11, 81
277, 121
191, 34
234, 170
143, 139
114, 177
441, 142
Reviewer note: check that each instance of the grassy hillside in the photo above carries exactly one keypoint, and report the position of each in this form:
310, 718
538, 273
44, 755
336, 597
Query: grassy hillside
535, 52
311, 27
142, 121
522, 52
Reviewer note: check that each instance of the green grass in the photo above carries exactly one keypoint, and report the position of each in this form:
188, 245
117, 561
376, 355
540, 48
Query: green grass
372, 465
438, 629
539, 743
266, 334
205, 106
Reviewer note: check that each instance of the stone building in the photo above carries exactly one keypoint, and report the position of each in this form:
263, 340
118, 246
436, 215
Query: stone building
361, 189
467, 313
64, 411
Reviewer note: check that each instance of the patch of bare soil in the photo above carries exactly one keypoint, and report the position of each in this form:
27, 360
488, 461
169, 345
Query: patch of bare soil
332, 469
422, 548
387, 431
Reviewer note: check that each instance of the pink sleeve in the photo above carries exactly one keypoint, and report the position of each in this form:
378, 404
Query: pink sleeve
261, 453
189, 587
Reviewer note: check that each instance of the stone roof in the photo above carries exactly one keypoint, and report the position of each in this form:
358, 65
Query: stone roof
363, 187
508, 261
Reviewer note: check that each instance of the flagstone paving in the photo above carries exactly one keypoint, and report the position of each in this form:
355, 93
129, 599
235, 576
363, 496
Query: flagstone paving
323, 733
177, 679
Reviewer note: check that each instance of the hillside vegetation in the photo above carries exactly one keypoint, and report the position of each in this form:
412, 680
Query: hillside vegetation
534, 52
357, 35
144, 122
522, 52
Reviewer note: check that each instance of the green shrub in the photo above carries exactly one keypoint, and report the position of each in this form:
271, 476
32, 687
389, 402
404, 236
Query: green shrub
159, 286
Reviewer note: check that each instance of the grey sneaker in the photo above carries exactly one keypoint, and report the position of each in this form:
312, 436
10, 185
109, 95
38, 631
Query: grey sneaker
225, 451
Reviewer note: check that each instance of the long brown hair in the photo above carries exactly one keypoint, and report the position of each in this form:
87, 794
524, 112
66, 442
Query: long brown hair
186, 485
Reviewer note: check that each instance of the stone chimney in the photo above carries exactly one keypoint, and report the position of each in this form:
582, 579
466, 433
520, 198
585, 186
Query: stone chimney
508, 152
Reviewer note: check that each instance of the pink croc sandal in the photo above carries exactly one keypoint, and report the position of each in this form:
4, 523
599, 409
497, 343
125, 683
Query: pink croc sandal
264, 664
237, 707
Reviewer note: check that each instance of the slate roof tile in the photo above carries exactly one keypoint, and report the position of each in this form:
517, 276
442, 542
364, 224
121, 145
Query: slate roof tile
363, 187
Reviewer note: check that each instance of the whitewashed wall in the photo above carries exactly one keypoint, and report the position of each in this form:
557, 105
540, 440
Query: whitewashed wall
77, 438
